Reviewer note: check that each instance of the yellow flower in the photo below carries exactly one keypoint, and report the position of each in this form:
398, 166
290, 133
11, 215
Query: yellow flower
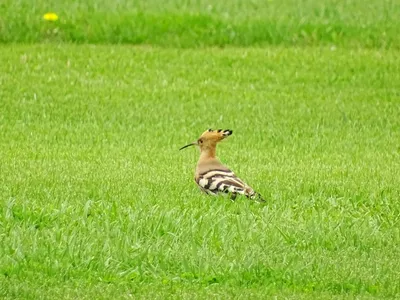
50, 17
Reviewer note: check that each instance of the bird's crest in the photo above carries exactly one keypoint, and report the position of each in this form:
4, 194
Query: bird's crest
210, 138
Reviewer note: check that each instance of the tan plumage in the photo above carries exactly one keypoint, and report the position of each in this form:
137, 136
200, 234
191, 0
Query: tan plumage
211, 175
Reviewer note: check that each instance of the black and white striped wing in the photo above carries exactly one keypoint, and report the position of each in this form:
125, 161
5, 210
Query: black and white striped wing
213, 182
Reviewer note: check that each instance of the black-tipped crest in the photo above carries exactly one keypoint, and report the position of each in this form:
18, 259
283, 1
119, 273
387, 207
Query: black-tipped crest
210, 137
227, 132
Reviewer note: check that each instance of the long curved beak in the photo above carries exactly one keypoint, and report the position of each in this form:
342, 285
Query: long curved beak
191, 144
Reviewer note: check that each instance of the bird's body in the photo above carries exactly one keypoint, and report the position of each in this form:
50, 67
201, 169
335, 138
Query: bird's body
212, 176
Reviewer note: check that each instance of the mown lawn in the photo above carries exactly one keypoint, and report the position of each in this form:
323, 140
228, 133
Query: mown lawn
205, 23
97, 201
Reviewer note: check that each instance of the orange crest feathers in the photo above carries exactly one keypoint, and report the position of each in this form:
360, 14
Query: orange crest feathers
215, 135
210, 137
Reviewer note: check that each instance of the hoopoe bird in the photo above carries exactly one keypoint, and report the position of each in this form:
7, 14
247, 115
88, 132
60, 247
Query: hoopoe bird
211, 175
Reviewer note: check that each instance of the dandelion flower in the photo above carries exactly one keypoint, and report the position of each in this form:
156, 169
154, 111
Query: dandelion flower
50, 17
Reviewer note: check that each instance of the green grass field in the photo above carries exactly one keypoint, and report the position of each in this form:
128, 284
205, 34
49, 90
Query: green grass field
193, 23
97, 202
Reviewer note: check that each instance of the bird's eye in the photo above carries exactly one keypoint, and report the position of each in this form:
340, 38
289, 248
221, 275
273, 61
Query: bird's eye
200, 141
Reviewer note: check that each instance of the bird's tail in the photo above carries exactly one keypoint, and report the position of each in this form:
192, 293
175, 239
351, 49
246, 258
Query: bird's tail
260, 198
256, 197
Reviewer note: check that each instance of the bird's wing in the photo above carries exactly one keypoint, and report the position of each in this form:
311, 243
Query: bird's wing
225, 181
214, 178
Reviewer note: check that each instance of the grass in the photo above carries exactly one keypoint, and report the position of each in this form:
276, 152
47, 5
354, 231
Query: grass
97, 201
183, 23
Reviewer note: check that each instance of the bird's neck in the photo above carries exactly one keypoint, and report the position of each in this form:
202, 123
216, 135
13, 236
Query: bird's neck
208, 153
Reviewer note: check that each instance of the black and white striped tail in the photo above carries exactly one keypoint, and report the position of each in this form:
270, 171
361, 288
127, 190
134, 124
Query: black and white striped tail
216, 181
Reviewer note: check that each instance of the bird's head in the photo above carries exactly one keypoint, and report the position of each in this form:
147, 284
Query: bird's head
210, 138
